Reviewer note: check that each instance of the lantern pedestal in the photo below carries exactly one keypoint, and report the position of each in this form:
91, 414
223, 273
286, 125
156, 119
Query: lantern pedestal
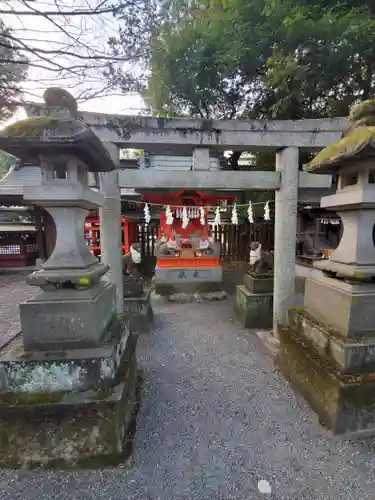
138, 312
315, 360
345, 307
328, 349
68, 408
254, 302
68, 381
66, 318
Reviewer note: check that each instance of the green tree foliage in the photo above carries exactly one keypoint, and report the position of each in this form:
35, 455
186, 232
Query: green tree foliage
322, 60
196, 61
13, 69
261, 58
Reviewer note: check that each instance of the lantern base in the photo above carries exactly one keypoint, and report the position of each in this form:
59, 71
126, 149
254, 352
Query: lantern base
346, 271
69, 411
329, 374
346, 308
79, 277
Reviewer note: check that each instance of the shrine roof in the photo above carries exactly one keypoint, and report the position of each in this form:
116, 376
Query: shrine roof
358, 142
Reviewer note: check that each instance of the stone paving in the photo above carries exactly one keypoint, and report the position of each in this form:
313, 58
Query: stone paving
215, 418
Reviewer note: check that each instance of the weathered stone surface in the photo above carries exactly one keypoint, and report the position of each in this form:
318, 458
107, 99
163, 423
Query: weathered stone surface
77, 428
224, 135
286, 201
49, 279
344, 403
347, 355
221, 295
167, 289
59, 371
254, 310
184, 298
138, 311
196, 276
358, 141
258, 285
50, 135
347, 308
68, 318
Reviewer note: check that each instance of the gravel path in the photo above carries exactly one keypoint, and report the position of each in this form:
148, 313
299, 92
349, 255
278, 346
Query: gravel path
13, 290
215, 418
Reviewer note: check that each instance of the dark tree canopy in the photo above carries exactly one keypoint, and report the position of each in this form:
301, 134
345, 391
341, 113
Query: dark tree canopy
262, 58
13, 70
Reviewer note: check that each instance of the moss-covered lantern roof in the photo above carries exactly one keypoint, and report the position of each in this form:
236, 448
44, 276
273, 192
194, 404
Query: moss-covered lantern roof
56, 135
358, 142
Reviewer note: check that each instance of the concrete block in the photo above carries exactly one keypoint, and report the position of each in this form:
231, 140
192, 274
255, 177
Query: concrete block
66, 370
258, 285
344, 354
345, 404
88, 429
348, 309
138, 312
254, 310
201, 159
68, 318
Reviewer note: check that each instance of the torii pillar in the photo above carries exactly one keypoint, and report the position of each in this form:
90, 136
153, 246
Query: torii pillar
286, 202
110, 226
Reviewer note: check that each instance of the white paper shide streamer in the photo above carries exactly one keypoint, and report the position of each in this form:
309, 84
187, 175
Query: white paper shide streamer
217, 220
202, 217
250, 214
146, 211
267, 211
185, 218
169, 216
234, 215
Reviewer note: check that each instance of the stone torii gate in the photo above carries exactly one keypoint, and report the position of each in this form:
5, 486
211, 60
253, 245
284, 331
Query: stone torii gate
198, 136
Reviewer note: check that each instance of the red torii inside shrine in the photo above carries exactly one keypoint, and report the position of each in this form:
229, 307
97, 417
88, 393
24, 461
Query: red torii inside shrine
129, 231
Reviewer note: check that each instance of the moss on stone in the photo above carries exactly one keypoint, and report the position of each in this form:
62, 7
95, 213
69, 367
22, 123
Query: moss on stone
364, 109
299, 308
31, 398
360, 133
63, 438
343, 403
348, 145
32, 127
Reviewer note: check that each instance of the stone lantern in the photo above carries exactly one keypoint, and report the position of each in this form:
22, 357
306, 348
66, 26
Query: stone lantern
73, 364
353, 262
328, 350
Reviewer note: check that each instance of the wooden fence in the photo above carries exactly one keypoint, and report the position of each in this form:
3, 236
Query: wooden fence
234, 240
